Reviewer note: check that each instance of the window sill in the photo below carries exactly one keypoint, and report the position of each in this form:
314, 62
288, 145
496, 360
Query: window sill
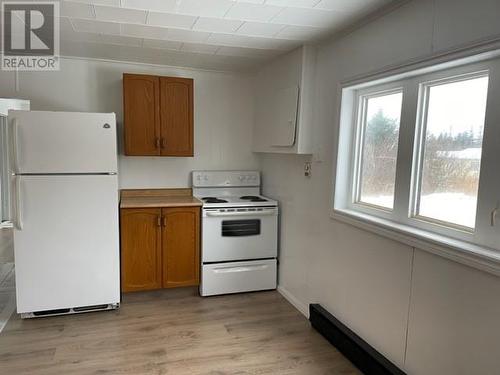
6, 225
483, 258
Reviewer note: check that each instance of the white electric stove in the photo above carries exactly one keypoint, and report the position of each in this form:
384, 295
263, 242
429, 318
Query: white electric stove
239, 233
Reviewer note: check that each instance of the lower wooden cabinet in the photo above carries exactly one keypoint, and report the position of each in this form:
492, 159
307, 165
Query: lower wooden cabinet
160, 248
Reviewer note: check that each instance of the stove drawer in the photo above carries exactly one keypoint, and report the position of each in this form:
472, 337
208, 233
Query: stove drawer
236, 277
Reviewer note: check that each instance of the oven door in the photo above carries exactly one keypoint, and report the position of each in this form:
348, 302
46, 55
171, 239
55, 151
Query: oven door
239, 234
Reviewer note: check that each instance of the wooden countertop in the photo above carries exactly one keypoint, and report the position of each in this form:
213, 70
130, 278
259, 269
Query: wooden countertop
150, 198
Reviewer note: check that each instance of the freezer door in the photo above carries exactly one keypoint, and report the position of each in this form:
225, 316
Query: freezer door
62, 142
67, 252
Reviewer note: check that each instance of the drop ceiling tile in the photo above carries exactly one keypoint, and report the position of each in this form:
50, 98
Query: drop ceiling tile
171, 20
120, 40
259, 29
141, 31
187, 36
216, 25
246, 52
161, 44
77, 10
120, 14
115, 3
204, 8
293, 3
300, 32
253, 12
251, 1
249, 42
308, 17
199, 48
151, 5
92, 26
81, 37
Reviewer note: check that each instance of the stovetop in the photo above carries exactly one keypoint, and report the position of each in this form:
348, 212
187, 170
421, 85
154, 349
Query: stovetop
237, 201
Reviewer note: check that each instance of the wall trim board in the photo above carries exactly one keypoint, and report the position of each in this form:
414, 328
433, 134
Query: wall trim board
151, 65
480, 50
358, 351
294, 301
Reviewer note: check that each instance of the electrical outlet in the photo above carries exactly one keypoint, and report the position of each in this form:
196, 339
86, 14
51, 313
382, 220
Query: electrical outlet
307, 169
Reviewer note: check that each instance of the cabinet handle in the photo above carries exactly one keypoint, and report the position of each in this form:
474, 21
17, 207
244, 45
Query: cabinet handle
158, 221
157, 142
164, 221
162, 142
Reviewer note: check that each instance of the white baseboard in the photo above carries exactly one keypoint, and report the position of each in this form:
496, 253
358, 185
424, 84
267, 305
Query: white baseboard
303, 308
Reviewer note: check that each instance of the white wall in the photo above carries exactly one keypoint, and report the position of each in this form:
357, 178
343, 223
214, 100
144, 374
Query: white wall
223, 114
382, 289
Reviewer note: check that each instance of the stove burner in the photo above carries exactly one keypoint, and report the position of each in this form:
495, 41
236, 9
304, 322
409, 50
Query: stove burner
253, 198
213, 200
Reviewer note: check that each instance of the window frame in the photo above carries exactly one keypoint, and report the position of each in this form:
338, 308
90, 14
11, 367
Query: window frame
419, 148
361, 99
402, 223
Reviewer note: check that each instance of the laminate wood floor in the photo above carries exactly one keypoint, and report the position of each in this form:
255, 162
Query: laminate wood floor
173, 332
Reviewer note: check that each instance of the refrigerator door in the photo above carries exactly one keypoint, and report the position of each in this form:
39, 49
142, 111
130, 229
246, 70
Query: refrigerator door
67, 253
62, 142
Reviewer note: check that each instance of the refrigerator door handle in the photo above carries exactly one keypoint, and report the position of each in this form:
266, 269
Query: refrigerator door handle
15, 146
18, 220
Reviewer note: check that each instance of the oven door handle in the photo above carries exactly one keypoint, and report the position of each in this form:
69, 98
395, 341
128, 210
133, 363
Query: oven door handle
241, 213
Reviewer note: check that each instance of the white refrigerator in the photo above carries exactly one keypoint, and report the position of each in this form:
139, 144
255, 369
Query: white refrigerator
64, 198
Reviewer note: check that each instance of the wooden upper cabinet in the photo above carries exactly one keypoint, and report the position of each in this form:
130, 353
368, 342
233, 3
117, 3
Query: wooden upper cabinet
141, 250
141, 110
176, 116
181, 246
158, 115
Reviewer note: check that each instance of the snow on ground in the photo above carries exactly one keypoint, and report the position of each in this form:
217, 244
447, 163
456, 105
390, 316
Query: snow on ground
457, 208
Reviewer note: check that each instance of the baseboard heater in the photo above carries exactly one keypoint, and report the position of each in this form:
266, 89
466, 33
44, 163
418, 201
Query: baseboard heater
358, 351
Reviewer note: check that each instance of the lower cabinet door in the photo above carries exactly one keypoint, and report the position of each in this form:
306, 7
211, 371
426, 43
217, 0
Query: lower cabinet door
141, 251
181, 246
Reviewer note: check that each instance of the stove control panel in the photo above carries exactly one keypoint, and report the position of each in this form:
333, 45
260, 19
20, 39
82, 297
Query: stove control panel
225, 178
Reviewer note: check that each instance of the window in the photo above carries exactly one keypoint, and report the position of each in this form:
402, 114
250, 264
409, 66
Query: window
452, 145
378, 148
419, 153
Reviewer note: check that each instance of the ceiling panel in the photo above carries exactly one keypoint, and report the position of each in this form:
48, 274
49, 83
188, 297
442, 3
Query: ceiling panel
113, 3
308, 17
120, 14
199, 48
216, 25
141, 31
253, 12
120, 40
260, 29
74, 9
171, 20
152, 5
179, 35
300, 32
204, 8
294, 3
92, 26
161, 44
149, 30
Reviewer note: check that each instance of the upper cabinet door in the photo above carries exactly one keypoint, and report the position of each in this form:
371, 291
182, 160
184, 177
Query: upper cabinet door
176, 108
141, 103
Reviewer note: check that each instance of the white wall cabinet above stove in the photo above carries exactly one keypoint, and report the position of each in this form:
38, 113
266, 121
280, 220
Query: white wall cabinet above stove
284, 104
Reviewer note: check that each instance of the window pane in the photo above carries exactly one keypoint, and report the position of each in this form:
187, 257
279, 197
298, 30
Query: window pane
380, 150
452, 151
